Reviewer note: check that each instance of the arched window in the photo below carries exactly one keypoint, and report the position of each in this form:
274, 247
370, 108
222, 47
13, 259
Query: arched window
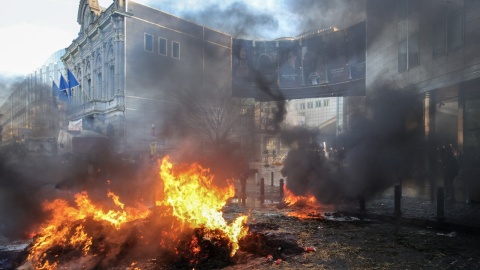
88, 81
78, 94
111, 73
99, 86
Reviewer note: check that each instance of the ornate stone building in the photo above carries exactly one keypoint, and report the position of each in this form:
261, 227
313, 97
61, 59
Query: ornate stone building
129, 59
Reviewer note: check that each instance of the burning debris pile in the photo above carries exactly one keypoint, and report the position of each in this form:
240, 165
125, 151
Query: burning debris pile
264, 240
184, 229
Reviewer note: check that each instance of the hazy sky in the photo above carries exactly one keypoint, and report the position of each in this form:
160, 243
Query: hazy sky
32, 30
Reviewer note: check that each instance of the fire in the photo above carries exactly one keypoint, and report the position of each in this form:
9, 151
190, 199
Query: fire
188, 200
189, 191
306, 207
64, 227
291, 199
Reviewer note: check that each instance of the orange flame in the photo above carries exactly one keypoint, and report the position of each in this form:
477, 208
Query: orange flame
64, 227
291, 199
188, 195
189, 191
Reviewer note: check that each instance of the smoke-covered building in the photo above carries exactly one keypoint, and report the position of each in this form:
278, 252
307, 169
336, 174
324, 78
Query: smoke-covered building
31, 111
430, 49
133, 64
312, 80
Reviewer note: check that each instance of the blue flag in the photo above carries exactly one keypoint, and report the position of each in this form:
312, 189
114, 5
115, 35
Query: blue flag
64, 94
72, 82
55, 90
63, 83
55, 93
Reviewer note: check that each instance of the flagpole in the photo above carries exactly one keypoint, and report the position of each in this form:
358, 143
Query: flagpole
72, 81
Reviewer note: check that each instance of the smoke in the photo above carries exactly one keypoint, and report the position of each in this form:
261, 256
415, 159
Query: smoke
25, 184
269, 19
381, 149
238, 20
29, 178
324, 14
23, 189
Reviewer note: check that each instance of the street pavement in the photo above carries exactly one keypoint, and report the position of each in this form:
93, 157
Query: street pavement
417, 207
367, 244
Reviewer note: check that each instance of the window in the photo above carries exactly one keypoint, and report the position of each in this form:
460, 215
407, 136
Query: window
176, 50
402, 55
449, 27
325, 102
454, 27
310, 104
79, 93
99, 82
318, 103
148, 42
99, 86
89, 88
302, 106
162, 46
408, 35
439, 39
111, 81
413, 50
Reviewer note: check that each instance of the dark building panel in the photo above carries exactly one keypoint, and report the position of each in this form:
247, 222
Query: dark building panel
242, 63
349, 88
309, 66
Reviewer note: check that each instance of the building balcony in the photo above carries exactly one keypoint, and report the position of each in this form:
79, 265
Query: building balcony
96, 107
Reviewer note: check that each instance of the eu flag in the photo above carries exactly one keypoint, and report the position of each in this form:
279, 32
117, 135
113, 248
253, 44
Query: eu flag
64, 91
63, 83
55, 89
55, 93
72, 81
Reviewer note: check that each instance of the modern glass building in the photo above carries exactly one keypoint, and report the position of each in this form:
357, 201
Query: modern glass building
32, 110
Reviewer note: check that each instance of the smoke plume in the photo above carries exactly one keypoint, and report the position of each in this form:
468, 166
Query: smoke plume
380, 149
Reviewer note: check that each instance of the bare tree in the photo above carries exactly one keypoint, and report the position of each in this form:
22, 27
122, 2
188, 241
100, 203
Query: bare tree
212, 115
218, 125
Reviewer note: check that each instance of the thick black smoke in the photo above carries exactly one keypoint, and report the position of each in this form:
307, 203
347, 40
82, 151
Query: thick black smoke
380, 149
19, 207
28, 179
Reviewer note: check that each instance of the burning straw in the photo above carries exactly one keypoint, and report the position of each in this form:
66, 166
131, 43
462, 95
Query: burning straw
185, 222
